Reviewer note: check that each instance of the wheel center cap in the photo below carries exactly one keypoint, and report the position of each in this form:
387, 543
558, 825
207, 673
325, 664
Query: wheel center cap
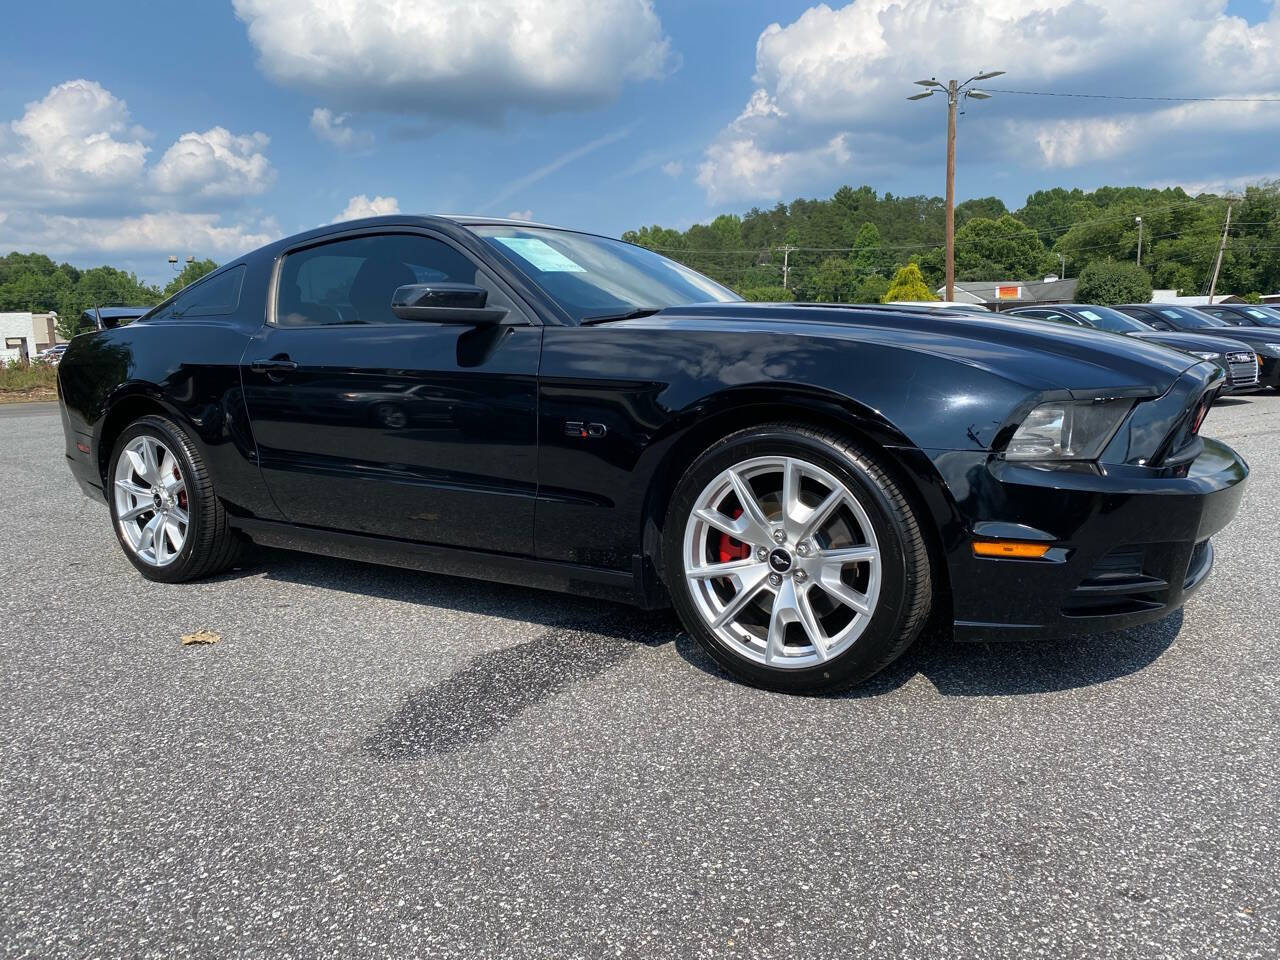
780, 560
156, 499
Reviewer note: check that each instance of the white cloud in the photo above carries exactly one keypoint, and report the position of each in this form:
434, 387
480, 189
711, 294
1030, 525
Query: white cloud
520, 215
76, 139
75, 182
458, 58
360, 206
739, 169
673, 168
216, 163
849, 69
1075, 141
201, 234
76, 150
333, 128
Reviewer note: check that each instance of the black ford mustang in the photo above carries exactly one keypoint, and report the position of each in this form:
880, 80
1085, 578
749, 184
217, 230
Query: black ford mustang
806, 484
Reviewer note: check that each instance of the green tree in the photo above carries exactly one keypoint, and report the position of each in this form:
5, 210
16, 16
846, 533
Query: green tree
1111, 283
868, 255
871, 290
190, 274
656, 238
1003, 249
777, 294
833, 281
989, 208
908, 284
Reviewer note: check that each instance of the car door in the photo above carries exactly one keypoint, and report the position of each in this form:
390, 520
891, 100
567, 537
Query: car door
368, 423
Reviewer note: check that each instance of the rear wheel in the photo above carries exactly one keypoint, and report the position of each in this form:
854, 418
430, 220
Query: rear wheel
794, 559
166, 516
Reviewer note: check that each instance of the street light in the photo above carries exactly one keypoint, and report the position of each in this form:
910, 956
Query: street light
173, 262
955, 90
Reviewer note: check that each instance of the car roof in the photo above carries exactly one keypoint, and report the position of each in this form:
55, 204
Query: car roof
445, 222
477, 220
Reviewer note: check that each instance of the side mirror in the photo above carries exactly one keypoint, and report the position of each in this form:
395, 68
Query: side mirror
445, 303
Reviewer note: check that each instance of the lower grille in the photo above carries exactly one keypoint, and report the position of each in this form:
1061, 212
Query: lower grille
1244, 369
1116, 585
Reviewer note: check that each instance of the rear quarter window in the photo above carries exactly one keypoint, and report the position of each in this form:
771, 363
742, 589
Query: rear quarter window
214, 296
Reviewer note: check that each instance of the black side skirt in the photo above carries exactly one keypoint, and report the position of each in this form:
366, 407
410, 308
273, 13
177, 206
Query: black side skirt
597, 582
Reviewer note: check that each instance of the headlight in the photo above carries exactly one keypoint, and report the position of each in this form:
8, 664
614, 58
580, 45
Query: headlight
1067, 430
1207, 356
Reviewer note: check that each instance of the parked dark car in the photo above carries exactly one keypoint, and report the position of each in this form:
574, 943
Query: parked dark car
1264, 342
806, 484
1244, 314
1237, 360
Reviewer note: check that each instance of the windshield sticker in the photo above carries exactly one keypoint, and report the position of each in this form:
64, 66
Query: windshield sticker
1090, 315
540, 254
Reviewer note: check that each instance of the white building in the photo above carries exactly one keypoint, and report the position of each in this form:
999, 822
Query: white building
1171, 297
26, 334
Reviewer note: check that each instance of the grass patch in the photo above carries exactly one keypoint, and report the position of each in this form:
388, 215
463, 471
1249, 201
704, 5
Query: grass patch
35, 381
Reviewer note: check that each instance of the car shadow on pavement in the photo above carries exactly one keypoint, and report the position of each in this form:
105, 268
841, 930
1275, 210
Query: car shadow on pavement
473, 704
403, 585
1013, 668
586, 639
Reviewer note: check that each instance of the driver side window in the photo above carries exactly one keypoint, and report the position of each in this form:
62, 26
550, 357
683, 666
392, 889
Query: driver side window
351, 281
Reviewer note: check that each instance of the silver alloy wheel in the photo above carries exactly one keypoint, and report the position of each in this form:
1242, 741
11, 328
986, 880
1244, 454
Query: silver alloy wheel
782, 562
151, 501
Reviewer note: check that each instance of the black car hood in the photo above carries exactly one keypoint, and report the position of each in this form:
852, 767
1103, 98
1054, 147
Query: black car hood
1039, 356
1192, 341
1253, 336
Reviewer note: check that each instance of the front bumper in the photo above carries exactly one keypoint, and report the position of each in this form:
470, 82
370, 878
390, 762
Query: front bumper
1128, 544
1269, 372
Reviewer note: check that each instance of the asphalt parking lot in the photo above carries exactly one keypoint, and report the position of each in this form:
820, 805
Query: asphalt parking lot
383, 763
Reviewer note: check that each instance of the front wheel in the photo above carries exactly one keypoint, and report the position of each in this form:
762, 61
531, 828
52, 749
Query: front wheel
794, 559
167, 517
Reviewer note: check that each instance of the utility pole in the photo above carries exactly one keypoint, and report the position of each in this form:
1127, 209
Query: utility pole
786, 264
1222, 248
1062, 259
955, 90
1138, 220
952, 99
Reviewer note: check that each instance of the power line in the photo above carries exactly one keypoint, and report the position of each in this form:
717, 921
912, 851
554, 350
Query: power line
1113, 96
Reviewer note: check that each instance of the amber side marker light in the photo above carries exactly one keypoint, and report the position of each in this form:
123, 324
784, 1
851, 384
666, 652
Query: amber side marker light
1009, 548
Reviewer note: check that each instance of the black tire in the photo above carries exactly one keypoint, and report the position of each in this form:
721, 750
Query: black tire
211, 545
906, 589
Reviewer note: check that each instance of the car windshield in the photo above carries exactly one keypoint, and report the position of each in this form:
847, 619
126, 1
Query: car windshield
1181, 317
592, 277
1264, 316
1104, 318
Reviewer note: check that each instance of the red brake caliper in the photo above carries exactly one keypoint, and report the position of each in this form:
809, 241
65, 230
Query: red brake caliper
182, 494
731, 549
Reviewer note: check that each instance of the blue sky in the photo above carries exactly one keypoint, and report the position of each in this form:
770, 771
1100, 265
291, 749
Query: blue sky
603, 114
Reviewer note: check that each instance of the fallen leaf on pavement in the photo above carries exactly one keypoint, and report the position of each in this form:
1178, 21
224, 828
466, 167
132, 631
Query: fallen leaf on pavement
200, 637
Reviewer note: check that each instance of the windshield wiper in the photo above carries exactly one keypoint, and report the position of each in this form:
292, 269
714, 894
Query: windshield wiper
633, 314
